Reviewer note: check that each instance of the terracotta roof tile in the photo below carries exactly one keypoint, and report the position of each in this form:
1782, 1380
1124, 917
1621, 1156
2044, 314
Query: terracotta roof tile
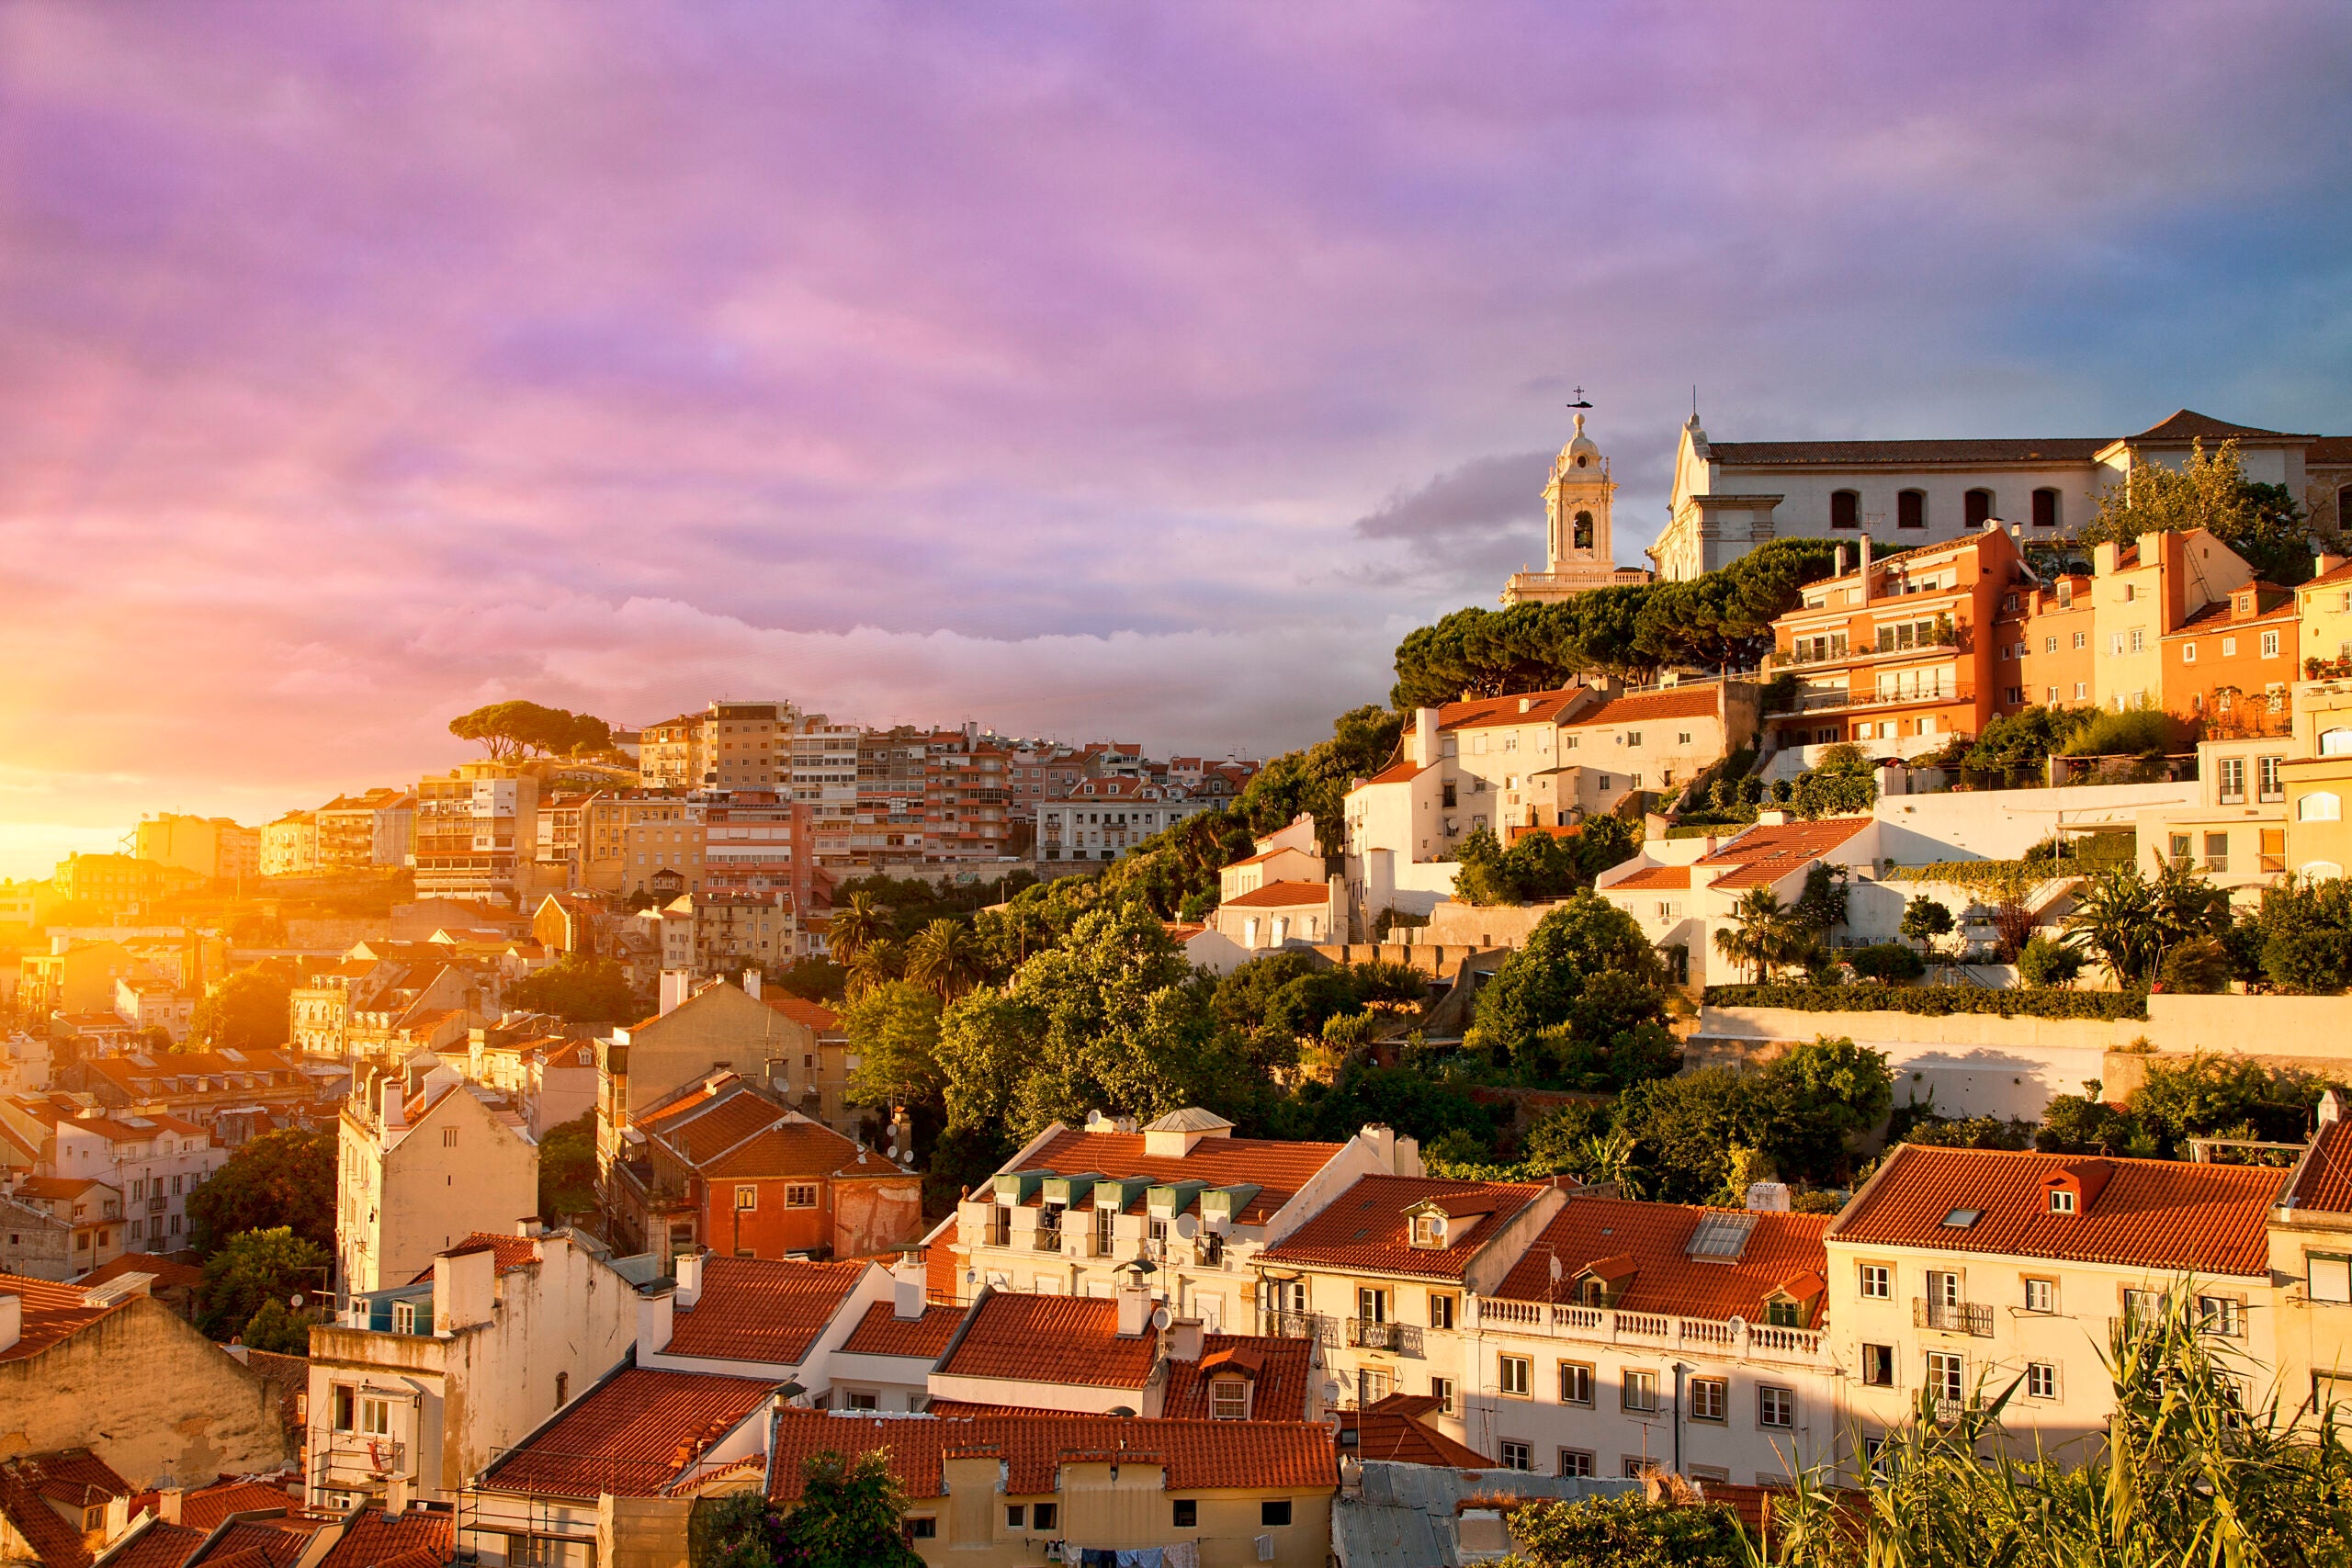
1393, 1430
1781, 1250
761, 1309
2323, 1179
812, 1015
2156, 1214
1280, 1372
1277, 1168
514, 1252
167, 1273
881, 1332
631, 1435
1052, 1339
157, 1546
375, 1539
75, 1477
2188, 424
1653, 876
51, 1313
1482, 713
2329, 450
1768, 851
1365, 1227
1198, 1456
271, 1543
1281, 895
1398, 773
207, 1505
1680, 702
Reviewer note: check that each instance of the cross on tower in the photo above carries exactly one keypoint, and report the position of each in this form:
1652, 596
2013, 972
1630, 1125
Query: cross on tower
1580, 403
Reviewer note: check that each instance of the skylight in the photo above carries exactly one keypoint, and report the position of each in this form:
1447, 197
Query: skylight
1961, 1218
1722, 1236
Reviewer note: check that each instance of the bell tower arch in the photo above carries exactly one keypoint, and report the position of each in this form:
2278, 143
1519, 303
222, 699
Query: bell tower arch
1576, 504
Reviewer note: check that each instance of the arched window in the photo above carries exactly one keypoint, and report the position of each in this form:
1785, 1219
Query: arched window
1583, 535
2336, 743
1846, 509
2045, 508
1911, 508
2320, 806
2343, 505
1977, 507
2321, 870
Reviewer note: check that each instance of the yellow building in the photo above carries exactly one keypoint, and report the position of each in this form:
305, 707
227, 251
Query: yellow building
114, 881
289, 846
2144, 590
2324, 606
402, 1142
209, 846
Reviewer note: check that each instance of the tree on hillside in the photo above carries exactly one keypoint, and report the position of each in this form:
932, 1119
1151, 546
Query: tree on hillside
1587, 989
567, 1168
893, 1029
250, 1010
255, 1266
2262, 523
281, 1179
850, 1513
857, 921
577, 990
511, 730
945, 956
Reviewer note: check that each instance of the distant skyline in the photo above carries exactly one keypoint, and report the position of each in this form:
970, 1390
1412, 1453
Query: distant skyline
1137, 370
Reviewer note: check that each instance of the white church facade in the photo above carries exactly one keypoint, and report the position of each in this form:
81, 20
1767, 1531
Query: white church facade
1578, 550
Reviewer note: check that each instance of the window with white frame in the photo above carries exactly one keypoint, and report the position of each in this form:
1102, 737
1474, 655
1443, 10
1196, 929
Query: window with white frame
1229, 1399
2041, 1380
1637, 1391
1442, 1389
1512, 1376
2328, 1275
1877, 1281
747, 1197
800, 1196
1576, 1462
1947, 1376
1776, 1405
2270, 645
1708, 1398
2041, 1295
1516, 1455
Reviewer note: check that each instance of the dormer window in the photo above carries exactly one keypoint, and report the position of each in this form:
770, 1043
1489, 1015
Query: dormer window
1229, 1399
2061, 1201
1428, 1229
1782, 1312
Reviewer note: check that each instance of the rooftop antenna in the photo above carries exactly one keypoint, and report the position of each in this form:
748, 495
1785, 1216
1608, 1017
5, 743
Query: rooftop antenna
1580, 403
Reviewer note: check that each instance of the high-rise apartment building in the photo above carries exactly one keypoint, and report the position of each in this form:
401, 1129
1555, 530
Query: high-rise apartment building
477, 833
209, 846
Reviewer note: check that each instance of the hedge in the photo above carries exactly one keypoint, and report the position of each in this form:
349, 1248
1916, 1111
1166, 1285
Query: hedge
1934, 1001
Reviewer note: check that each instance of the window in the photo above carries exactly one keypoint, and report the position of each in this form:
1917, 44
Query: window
921, 1526
2217, 852
1372, 1304
1708, 1397
2229, 647
1944, 1286
2265, 776
1637, 1391
1016, 1515
800, 1196
404, 1317
2274, 852
2115, 643
1977, 510
2232, 780
1516, 1455
2336, 743
1187, 1513
2045, 508
1576, 1383
1044, 1516
345, 1407
376, 1417
1783, 1313
449, 1137
2040, 1380
1576, 1462
1911, 508
2270, 645
1947, 1376
1271, 1514
1844, 509
1878, 1281
2041, 1295
746, 1198
2320, 806
1775, 1405
1440, 1310
1229, 1399
2139, 640
1514, 1376
2061, 1201
1878, 1366
1442, 1389
2224, 1315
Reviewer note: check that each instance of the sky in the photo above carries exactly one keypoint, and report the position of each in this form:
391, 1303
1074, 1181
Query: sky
1137, 370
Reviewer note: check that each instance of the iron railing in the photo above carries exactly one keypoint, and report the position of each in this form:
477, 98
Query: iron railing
1405, 1338
1952, 1317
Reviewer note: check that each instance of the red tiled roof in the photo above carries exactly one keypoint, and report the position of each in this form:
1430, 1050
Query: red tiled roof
1393, 1430
2188, 424
812, 1015
1400, 773
157, 1546
1276, 1167
1279, 1372
1843, 454
881, 1332
75, 1477
2271, 604
801, 1148
53, 1313
1654, 876
739, 1131
2323, 1179
1365, 1226
1281, 895
271, 1543
2157, 1215
514, 1252
56, 1189
1198, 1456
374, 1539
631, 1435
1680, 702
1479, 713
206, 1507
1052, 1339
1768, 851
761, 1309
167, 1273
1782, 1250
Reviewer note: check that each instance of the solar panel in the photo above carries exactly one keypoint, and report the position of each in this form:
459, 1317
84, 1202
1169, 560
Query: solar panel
1720, 1235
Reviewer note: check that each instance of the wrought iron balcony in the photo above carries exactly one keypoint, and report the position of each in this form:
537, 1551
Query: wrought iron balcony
1300, 1325
1952, 1317
1405, 1338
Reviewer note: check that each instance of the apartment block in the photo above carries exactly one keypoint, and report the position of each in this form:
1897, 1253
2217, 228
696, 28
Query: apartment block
358, 832
289, 846
212, 847
477, 829
402, 1141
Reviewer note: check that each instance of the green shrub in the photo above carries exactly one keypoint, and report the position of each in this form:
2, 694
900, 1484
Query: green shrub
1933, 1001
2198, 968
1887, 963
2045, 961
2147, 731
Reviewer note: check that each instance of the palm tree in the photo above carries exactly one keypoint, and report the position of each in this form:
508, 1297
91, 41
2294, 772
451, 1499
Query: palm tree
1763, 936
2115, 919
877, 963
856, 923
945, 956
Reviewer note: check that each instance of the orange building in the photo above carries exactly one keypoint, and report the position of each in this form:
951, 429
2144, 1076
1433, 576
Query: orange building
1897, 656
2045, 645
2232, 662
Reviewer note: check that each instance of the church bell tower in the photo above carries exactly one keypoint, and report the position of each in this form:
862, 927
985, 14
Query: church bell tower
1575, 502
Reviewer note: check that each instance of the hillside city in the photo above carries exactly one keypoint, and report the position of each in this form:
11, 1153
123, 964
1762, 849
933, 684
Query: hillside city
1853, 1004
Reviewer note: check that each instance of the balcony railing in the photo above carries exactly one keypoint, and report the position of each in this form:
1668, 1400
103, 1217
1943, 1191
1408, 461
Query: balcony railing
1653, 1330
1405, 1338
1952, 1317
1815, 702
1047, 1241
1302, 1325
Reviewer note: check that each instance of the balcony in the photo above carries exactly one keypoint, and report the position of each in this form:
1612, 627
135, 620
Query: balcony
1404, 1339
1302, 1325
1047, 1241
1651, 1331
1952, 1317
156, 1205
1817, 702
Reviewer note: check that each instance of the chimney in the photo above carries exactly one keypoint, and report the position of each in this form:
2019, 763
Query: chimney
167, 1504
906, 1287
12, 1320
1768, 1197
529, 1226
1382, 1140
1866, 569
687, 1267
2325, 562
392, 1094
1772, 816
1424, 737
1134, 1311
464, 1288
653, 1316
396, 1495
676, 986
2330, 1110
1184, 1340
751, 983
1841, 560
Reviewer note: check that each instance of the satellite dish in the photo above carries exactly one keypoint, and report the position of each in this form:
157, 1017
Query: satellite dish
1555, 1268
1187, 1228
1738, 1325
1161, 1317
